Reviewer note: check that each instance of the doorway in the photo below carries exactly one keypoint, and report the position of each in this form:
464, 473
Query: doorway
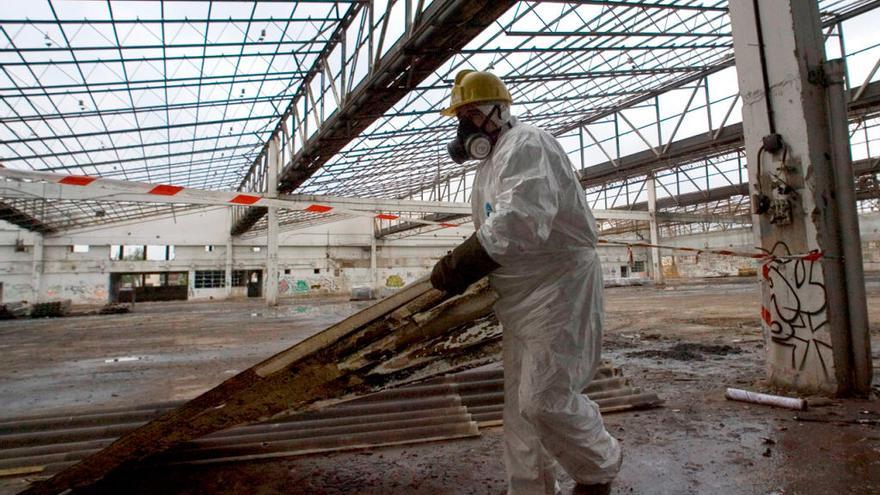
254, 283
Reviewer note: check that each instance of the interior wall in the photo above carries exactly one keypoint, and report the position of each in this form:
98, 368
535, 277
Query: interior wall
331, 258
689, 265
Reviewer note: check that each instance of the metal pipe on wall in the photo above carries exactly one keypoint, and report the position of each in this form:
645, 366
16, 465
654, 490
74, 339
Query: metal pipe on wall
851, 245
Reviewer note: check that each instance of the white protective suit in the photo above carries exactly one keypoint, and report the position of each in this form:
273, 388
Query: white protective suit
532, 219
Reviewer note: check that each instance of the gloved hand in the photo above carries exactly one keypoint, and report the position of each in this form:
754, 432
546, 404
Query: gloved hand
466, 264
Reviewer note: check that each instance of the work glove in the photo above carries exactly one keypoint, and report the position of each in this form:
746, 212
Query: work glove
466, 264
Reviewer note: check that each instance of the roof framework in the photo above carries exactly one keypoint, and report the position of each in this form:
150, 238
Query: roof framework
190, 93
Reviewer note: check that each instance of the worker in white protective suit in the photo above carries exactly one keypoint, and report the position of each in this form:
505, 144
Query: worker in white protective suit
536, 237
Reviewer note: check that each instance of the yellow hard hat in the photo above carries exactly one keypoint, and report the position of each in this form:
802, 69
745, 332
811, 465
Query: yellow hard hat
473, 86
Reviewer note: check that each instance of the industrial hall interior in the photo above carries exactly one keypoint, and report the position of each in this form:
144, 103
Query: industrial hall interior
388, 247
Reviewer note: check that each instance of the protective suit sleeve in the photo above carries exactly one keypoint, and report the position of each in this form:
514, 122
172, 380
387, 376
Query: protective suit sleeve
525, 207
466, 264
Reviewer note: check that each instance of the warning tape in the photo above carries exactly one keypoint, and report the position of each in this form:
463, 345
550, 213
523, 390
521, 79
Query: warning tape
118, 189
811, 256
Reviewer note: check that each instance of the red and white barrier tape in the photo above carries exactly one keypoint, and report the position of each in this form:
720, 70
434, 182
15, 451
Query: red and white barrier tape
119, 189
811, 256
116, 188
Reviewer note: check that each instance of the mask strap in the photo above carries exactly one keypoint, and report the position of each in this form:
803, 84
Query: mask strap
493, 136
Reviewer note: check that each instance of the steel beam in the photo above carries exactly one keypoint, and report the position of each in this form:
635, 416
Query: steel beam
382, 204
646, 96
642, 5
641, 216
445, 27
24, 220
702, 218
632, 215
435, 217
726, 140
861, 168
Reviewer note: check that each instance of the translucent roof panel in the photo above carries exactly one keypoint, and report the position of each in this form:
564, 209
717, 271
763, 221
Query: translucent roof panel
566, 65
188, 93
173, 92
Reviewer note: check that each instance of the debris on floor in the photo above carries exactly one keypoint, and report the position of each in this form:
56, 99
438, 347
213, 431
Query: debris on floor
12, 310
699, 443
415, 334
53, 309
686, 351
454, 406
56, 309
115, 309
411, 336
765, 399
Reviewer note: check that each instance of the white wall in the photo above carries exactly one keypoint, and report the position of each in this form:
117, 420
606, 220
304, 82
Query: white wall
339, 251
742, 239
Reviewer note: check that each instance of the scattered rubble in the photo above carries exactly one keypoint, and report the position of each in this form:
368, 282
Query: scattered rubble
686, 351
115, 309
14, 310
765, 399
53, 309
56, 309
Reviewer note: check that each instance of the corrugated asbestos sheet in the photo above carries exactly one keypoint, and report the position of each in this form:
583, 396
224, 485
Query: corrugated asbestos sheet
440, 409
412, 336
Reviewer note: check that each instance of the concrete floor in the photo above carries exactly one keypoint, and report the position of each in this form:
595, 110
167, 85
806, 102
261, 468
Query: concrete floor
159, 352
697, 443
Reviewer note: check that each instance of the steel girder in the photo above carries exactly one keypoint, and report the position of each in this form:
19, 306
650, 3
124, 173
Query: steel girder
443, 29
725, 140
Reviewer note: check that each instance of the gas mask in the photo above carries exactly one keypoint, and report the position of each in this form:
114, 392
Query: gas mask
471, 142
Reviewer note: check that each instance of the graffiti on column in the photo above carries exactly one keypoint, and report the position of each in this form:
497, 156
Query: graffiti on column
795, 318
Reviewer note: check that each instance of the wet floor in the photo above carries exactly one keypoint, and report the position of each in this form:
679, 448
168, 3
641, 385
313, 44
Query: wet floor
159, 352
687, 343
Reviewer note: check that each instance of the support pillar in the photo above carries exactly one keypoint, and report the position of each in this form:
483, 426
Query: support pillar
374, 271
656, 268
191, 282
37, 269
229, 217
271, 292
813, 306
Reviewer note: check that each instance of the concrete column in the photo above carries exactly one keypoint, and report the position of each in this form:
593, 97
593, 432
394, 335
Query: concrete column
373, 266
656, 268
271, 283
813, 308
37, 269
229, 254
